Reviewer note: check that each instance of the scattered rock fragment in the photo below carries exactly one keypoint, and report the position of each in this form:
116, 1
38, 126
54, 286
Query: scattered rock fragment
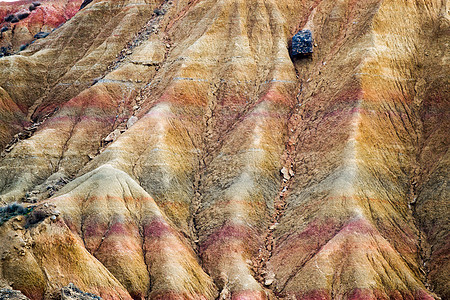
41, 35
17, 226
71, 292
31, 199
23, 47
112, 136
5, 51
22, 16
285, 172
10, 294
27, 132
33, 6
225, 293
40, 212
270, 278
131, 121
47, 189
291, 173
158, 12
9, 18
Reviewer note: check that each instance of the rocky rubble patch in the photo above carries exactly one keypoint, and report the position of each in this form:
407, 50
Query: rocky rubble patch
10, 294
26, 133
71, 292
47, 189
40, 212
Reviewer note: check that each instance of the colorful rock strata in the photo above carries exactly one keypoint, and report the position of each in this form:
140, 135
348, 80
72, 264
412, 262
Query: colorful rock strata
189, 156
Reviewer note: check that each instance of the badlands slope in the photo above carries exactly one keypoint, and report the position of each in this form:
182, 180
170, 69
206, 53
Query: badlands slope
42, 16
186, 155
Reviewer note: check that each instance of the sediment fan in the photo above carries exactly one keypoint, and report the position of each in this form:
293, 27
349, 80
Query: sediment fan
175, 150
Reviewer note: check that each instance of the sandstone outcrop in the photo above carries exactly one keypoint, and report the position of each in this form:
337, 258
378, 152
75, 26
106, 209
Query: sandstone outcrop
178, 151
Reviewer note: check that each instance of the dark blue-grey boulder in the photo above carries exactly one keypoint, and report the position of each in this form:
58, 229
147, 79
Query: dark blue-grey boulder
302, 43
8, 18
23, 47
41, 35
23, 15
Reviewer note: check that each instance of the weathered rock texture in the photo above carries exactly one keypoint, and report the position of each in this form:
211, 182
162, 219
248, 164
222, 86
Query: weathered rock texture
8, 294
72, 292
42, 16
189, 156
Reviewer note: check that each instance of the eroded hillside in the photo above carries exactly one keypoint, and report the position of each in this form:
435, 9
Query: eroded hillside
174, 150
22, 22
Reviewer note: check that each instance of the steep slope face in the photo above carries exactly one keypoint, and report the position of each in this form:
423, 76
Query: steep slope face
205, 162
123, 228
22, 20
40, 18
357, 178
53, 70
